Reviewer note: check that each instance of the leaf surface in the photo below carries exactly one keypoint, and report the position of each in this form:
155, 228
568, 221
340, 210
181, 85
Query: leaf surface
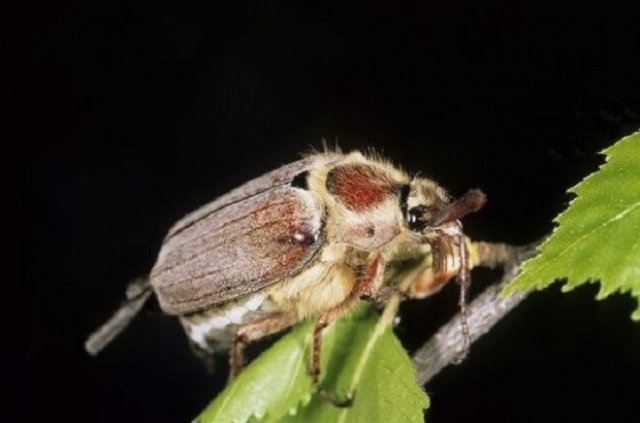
274, 383
597, 238
360, 355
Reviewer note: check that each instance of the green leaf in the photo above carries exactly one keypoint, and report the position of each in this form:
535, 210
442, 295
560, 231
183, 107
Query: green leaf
360, 355
368, 360
273, 384
598, 236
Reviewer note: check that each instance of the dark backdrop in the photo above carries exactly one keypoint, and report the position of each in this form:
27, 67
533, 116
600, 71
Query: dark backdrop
127, 115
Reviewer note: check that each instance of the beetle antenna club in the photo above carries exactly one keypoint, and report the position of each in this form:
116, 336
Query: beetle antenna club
472, 201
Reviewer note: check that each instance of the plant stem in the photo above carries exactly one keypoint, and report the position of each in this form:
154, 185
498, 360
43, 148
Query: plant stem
483, 313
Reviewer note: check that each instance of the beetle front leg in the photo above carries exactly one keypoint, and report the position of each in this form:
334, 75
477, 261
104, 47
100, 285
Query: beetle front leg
491, 254
426, 280
373, 288
253, 331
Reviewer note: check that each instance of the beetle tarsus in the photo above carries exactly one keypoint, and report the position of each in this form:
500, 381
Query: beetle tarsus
381, 296
236, 358
463, 280
347, 401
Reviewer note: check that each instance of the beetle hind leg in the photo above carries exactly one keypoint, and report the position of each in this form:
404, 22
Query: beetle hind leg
205, 355
253, 331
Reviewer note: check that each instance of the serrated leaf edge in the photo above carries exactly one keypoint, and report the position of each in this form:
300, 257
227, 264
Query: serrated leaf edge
518, 285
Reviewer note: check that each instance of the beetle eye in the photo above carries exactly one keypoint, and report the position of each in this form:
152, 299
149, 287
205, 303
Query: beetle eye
416, 218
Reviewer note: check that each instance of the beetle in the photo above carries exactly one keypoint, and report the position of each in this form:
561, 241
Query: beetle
305, 241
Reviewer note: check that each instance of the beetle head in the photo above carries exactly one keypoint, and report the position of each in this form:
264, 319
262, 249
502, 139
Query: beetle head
428, 210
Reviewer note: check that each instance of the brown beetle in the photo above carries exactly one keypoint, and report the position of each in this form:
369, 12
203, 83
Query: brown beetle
305, 241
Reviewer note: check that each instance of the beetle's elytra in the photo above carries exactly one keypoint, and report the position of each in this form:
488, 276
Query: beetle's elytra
305, 241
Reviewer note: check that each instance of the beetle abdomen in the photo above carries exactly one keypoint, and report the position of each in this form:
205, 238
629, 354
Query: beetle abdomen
216, 325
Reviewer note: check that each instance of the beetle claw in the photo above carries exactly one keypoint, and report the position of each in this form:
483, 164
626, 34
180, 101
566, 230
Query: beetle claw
347, 401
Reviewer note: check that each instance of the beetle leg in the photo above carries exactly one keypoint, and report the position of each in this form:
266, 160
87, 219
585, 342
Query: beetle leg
366, 287
371, 281
253, 331
427, 280
382, 295
205, 355
316, 348
372, 288
490, 254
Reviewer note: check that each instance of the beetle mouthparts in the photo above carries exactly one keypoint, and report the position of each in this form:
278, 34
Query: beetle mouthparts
472, 201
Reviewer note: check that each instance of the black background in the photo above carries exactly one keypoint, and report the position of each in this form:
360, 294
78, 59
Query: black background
126, 115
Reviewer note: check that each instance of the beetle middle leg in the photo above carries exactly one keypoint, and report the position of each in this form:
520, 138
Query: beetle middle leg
253, 331
367, 285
